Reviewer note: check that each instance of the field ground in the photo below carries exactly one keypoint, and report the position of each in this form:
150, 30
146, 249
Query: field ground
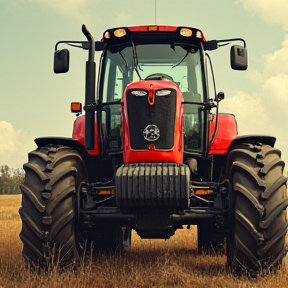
151, 263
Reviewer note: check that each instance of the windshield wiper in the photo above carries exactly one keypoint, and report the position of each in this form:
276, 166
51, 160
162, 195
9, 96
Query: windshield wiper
135, 59
177, 64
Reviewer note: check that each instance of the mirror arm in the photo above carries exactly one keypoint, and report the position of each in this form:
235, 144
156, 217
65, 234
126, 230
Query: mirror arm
84, 44
232, 40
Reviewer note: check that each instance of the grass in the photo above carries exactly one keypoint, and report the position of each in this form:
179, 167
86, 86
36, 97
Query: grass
151, 263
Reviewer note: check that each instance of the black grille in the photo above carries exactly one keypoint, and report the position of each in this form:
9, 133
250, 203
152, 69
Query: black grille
142, 117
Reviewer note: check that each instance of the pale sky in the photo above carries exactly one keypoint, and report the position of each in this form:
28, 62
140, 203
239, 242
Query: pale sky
34, 102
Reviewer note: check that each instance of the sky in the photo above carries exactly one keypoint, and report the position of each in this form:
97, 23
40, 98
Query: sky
35, 102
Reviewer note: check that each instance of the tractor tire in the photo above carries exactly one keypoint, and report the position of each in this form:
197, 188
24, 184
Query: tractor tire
112, 240
49, 232
258, 201
211, 240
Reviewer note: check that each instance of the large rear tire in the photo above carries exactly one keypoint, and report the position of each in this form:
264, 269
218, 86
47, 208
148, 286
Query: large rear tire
48, 212
258, 201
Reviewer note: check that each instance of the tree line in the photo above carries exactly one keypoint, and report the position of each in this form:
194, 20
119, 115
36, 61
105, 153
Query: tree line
10, 179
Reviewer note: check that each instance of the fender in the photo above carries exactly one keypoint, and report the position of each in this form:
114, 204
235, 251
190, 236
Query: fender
252, 139
96, 165
43, 141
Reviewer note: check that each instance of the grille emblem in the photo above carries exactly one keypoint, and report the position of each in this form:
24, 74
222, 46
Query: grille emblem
151, 133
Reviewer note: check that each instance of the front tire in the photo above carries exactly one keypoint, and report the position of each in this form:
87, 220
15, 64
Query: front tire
48, 212
258, 201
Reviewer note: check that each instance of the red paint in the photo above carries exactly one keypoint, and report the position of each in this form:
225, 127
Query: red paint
145, 28
174, 155
227, 132
151, 97
79, 134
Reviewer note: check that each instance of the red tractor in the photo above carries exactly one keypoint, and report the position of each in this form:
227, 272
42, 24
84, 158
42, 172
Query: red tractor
152, 153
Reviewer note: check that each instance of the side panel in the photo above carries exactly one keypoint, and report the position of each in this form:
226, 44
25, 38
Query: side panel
226, 133
79, 134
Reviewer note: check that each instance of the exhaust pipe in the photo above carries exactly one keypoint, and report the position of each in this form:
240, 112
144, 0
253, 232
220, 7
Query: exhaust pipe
90, 106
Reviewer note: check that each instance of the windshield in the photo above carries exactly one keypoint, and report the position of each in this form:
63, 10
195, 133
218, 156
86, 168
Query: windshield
173, 62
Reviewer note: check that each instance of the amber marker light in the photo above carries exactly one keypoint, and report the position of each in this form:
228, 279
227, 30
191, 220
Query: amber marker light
76, 107
106, 192
153, 28
119, 32
186, 32
203, 191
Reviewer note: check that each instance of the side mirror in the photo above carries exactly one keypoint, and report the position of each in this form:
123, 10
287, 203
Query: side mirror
238, 58
61, 61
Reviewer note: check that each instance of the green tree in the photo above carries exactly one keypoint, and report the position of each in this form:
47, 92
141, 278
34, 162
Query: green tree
10, 179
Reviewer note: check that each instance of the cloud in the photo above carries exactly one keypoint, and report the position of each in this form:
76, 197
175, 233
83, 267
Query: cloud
272, 77
276, 88
276, 63
14, 145
249, 111
9, 135
271, 11
264, 111
273, 80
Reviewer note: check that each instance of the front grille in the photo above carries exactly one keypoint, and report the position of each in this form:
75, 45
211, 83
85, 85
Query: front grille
151, 124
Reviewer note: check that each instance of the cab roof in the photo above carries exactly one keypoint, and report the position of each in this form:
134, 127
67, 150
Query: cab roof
153, 34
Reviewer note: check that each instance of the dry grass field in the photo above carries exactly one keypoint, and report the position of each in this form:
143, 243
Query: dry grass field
151, 263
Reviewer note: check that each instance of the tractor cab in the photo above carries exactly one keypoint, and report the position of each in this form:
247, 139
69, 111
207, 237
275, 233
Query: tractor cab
161, 56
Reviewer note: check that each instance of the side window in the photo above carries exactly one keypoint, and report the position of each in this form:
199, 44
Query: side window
211, 88
198, 73
113, 82
111, 116
118, 89
106, 80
